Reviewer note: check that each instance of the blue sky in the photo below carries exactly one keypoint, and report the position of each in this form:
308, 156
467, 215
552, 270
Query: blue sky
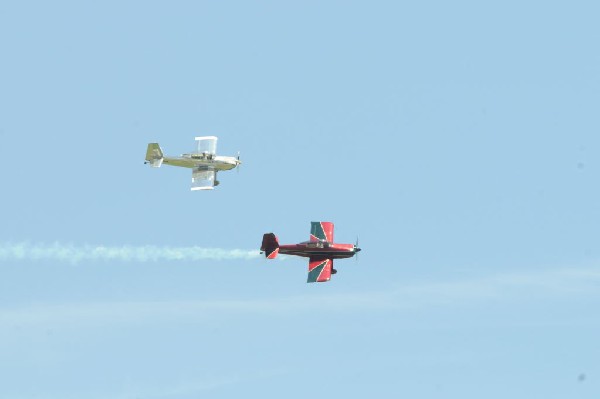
458, 141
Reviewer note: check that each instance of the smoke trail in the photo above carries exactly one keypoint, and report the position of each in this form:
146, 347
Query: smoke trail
147, 253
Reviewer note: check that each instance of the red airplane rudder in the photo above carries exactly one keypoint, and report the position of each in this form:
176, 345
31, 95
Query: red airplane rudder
270, 245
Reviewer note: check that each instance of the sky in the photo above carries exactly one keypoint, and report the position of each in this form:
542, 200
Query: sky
457, 141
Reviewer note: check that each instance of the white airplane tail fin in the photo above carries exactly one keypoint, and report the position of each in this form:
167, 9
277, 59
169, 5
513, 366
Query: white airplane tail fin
154, 155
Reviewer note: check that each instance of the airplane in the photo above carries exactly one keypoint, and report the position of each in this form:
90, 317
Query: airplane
204, 163
320, 250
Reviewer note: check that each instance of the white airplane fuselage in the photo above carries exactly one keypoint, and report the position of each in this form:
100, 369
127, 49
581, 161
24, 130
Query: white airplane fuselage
195, 160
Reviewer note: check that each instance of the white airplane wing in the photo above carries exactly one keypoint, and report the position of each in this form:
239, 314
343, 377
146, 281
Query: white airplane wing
207, 145
203, 178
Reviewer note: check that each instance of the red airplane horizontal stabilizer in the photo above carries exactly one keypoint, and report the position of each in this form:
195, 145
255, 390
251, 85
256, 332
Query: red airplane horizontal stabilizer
272, 254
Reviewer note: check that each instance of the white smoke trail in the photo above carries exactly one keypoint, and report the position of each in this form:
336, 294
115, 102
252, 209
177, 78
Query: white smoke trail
147, 253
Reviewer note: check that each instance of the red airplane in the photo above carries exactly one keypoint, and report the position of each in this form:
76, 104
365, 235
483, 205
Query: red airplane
320, 250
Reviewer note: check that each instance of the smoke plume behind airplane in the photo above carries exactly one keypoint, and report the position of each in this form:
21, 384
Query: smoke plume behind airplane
147, 253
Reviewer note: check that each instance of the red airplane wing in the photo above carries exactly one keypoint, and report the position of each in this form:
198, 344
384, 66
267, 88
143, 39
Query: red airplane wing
319, 269
321, 231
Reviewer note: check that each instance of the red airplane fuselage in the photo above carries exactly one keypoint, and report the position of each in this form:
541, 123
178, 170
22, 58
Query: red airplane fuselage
319, 249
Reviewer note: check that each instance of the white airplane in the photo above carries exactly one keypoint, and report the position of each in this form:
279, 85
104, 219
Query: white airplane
204, 163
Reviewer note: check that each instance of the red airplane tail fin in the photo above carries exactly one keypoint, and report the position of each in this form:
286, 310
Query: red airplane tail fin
270, 245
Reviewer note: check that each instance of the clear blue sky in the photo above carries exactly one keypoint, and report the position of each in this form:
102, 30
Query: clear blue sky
459, 141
